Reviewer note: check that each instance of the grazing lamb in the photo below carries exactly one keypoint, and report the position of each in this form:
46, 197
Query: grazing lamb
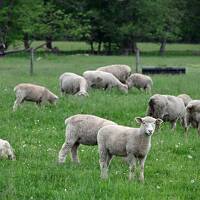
193, 115
186, 98
132, 143
104, 80
34, 93
6, 150
73, 84
168, 108
140, 81
81, 129
121, 72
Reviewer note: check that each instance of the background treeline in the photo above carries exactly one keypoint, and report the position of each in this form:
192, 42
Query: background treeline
112, 25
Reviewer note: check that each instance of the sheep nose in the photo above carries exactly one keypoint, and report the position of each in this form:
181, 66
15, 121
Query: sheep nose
150, 131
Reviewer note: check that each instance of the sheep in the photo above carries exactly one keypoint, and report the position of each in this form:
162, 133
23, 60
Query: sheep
73, 84
80, 129
168, 108
105, 80
34, 93
121, 72
186, 98
6, 150
131, 143
193, 116
140, 81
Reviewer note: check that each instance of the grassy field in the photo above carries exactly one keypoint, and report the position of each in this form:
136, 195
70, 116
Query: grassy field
172, 168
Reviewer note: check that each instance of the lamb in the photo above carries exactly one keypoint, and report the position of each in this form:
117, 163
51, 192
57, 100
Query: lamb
34, 93
168, 108
105, 80
186, 98
193, 116
121, 72
140, 81
6, 150
80, 129
73, 84
132, 143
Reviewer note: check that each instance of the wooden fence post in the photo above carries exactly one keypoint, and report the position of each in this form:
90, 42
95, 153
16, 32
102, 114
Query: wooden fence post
31, 61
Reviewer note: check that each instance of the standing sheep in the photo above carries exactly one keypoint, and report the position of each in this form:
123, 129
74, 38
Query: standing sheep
193, 115
104, 80
34, 93
80, 129
186, 98
121, 72
140, 81
73, 84
6, 150
168, 108
132, 143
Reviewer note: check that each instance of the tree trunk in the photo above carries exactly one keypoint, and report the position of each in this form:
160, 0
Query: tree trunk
162, 46
109, 48
99, 47
49, 42
134, 47
91, 47
26, 41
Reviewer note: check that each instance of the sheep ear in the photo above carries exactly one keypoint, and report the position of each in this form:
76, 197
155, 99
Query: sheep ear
99, 79
139, 120
159, 121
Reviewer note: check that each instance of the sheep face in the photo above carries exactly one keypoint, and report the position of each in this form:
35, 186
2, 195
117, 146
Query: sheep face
148, 124
124, 88
81, 93
53, 99
129, 82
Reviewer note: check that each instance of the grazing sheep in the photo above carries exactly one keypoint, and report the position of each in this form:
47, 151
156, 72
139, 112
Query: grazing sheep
100, 79
81, 129
140, 81
34, 93
168, 108
6, 150
121, 72
73, 84
132, 143
193, 115
186, 98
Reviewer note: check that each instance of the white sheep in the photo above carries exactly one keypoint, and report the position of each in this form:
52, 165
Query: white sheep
105, 80
34, 93
193, 116
186, 98
80, 129
168, 108
121, 72
73, 84
6, 150
140, 81
132, 143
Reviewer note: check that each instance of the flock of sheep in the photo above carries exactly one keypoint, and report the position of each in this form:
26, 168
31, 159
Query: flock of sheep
112, 139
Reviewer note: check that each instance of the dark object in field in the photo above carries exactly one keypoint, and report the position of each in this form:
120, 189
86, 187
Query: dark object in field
162, 70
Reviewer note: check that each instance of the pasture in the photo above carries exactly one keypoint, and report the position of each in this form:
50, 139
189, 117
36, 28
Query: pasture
172, 169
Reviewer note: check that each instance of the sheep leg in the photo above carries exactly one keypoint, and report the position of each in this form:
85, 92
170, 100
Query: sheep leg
173, 125
74, 153
109, 158
103, 163
17, 102
132, 164
64, 151
142, 161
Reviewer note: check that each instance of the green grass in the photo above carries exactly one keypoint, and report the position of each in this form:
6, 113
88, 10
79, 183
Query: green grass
37, 134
